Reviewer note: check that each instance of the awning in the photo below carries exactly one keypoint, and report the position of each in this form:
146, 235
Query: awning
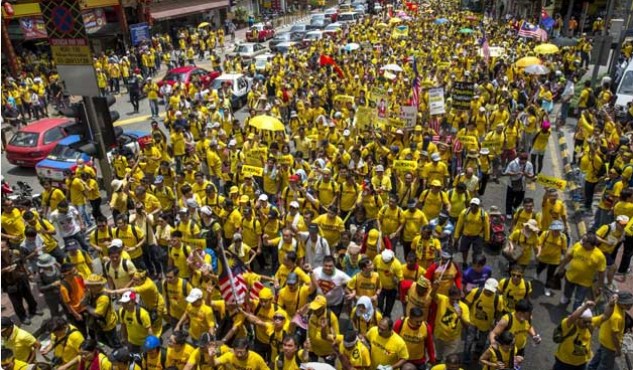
176, 9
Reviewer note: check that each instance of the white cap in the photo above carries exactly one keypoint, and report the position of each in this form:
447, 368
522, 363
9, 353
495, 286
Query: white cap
435, 157
178, 113
128, 297
194, 295
387, 255
232, 142
332, 125
482, 109
380, 168
346, 133
586, 314
215, 124
475, 201
263, 197
399, 131
491, 285
622, 218
116, 243
206, 210
294, 204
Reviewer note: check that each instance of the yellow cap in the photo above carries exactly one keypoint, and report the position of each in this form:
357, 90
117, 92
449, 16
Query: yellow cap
318, 303
372, 237
436, 183
266, 293
234, 190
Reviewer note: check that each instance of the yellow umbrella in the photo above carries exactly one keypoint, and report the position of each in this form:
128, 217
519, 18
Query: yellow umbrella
382, 25
528, 61
267, 123
546, 49
395, 20
204, 24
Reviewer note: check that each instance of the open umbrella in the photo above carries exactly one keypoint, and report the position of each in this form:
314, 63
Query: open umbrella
395, 20
267, 123
351, 46
536, 69
441, 21
204, 24
392, 67
466, 30
546, 49
528, 61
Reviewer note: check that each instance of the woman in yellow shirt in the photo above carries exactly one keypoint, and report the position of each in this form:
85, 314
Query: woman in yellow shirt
539, 144
551, 247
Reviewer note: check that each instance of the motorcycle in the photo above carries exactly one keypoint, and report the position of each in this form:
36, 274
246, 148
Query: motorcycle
20, 192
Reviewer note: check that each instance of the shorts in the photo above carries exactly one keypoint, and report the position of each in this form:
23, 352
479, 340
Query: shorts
476, 242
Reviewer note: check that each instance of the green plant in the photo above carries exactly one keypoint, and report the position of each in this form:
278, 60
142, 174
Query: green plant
241, 14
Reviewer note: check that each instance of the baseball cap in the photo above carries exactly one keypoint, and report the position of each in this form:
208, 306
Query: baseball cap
294, 204
206, 210
128, 297
436, 183
292, 278
435, 157
194, 295
557, 225
263, 197
622, 219
266, 293
372, 237
318, 303
491, 285
475, 201
380, 168
387, 255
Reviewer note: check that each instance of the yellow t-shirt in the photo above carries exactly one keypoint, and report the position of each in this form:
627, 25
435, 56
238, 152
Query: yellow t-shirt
137, 330
388, 271
358, 355
291, 301
68, 349
584, 265
178, 357
518, 329
482, 308
331, 229
201, 319
13, 224
448, 325
415, 339
552, 247
512, 293
175, 295
21, 343
179, 256
575, 350
390, 219
363, 285
615, 324
322, 347
386, 351
105, 309
252, 362
413, 221
432, 203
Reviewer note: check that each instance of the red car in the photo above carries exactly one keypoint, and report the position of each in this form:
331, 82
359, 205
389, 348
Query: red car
34, 142
188, 74
260, 32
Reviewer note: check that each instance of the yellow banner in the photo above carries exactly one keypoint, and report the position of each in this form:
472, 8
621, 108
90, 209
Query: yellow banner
285, 160
467, 140
405, 166
396, 122
363, 117
551, 182
72, 54
491, 144
252, 170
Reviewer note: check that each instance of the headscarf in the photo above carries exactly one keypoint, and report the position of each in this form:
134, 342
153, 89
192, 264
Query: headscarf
369, 308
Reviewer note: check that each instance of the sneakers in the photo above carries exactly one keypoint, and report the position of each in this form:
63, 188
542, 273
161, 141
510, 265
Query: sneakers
564, 300
548, 293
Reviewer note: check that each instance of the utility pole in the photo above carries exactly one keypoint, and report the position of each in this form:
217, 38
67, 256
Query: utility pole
567, 18
97, 137
603, 43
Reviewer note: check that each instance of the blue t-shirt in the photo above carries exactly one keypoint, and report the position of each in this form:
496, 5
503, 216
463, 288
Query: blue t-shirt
473, 279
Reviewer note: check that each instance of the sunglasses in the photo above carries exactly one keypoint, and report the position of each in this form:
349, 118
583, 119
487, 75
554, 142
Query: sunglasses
278, 318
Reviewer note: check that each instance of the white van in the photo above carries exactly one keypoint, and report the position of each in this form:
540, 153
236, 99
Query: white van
240, 85
624, 93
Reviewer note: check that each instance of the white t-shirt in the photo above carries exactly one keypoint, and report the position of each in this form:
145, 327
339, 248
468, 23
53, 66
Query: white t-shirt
332, 286
66, 223
315, 250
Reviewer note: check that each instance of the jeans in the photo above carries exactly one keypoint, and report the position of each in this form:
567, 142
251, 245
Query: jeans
513, 200
564, 112
386, 300
476, 343
83, 211
603, 359
559, 365
153, 107
581, 293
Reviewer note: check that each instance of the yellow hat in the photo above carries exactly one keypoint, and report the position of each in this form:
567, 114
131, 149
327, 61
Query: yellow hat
372, 237
95, 279
234, 190
244, 199
423, 282
628, 172
266, 293
318, 303
436, 183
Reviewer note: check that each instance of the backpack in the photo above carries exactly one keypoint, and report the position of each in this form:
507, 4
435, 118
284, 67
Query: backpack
166, 292
496, 301
528, 286
134, 232
281, 360
558, 337
591, 99
497, 232
116, 271
500, 358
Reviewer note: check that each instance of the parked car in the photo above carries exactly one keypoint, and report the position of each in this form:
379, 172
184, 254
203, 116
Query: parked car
348, 18
360, 10
360, 3
248, 51
333, 28
284, 37
332, 13
344, 8
261, 60
312, 36
34, 142
624, 93
260, 32
319, 23
284, 47
63, 157
299, 29
240, 85
188, 74
377, 8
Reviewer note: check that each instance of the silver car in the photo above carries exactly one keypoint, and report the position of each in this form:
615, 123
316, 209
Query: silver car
248, 51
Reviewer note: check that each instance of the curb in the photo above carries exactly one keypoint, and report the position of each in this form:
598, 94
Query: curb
572, 187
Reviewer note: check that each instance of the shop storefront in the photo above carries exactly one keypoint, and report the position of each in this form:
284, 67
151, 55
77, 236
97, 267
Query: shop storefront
169, 15
24, 32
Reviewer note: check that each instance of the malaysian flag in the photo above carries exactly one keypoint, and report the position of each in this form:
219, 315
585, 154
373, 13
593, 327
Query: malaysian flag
528, 30
233, 286
415, 101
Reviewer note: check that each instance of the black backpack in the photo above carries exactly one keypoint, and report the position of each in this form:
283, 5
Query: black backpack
558, 337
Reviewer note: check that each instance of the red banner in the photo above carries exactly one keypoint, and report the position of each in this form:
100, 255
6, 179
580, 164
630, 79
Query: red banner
33, 28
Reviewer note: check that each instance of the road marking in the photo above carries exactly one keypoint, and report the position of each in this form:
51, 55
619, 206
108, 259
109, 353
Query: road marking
133, 120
